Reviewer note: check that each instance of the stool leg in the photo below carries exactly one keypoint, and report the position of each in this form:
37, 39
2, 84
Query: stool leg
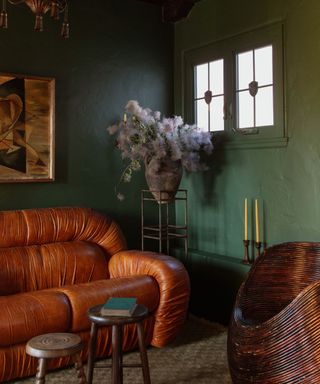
79, 368
143, 354
116, 355
92, 351
41, 371
120, 354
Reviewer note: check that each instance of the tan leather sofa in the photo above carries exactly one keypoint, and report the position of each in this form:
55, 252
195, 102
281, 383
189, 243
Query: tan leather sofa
55, 263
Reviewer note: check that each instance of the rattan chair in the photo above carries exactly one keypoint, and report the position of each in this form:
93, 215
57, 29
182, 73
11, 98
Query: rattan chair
274, 333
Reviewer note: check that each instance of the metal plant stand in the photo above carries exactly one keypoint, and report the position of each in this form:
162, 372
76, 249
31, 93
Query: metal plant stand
164, 230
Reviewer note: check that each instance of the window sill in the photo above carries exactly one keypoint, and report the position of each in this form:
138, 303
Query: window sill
274, 142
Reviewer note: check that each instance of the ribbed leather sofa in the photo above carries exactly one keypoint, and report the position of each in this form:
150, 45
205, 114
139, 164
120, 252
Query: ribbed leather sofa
55, 263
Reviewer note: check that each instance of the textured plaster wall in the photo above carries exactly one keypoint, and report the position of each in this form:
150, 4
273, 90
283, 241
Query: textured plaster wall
286, 179
113, 55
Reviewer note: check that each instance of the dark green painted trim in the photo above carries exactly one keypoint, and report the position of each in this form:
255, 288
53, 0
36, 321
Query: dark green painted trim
256, 143
215, 280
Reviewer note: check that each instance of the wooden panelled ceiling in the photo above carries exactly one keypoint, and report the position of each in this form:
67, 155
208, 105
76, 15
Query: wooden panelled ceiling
173, 10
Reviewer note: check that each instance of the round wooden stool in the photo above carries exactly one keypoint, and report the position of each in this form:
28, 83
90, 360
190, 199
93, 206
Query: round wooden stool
117, 323
53, 345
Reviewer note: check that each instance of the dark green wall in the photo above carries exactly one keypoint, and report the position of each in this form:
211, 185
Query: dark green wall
118, 50
286, 179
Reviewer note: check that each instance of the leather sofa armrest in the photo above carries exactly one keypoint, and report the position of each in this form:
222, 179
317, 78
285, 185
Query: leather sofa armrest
174, 287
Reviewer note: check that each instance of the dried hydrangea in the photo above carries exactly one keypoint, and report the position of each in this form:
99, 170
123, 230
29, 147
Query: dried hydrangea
143, 136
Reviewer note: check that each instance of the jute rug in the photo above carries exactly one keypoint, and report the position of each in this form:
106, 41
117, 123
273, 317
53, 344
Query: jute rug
198, 355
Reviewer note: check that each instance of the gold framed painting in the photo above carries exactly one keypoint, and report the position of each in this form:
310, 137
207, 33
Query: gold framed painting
26, 128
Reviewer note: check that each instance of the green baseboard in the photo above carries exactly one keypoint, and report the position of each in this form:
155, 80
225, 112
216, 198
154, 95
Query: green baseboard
215, 280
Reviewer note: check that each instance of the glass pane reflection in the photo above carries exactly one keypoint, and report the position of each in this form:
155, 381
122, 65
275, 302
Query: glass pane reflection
245, 112
202, 114
201, 78
264, 107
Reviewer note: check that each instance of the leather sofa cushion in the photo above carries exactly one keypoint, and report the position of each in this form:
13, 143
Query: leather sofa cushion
60, 224
84, 296
37, 267
26, 315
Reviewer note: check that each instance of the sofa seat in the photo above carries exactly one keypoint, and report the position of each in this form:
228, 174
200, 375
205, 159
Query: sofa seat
26, 315
84, 296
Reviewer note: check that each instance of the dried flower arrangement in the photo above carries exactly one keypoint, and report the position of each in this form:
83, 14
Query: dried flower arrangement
143, 136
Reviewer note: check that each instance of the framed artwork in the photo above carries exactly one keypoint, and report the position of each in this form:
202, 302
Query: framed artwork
26, 128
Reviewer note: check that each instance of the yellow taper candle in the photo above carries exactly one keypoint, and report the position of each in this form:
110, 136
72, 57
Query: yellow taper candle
257, 221
245, 219
125, 118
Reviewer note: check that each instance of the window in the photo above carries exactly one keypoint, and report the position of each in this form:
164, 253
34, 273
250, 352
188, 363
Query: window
209, 95
234, 87
254, 88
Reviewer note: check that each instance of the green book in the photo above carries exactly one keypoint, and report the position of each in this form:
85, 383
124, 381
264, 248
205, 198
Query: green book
119, 306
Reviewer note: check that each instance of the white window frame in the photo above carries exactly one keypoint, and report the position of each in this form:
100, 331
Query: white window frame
227, 49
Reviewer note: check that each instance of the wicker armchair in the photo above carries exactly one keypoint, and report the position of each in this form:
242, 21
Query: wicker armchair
274, 333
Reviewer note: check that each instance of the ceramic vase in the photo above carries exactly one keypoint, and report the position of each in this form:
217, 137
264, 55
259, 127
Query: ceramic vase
163, 178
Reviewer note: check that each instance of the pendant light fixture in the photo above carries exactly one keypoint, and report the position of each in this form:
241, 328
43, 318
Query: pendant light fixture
40, 8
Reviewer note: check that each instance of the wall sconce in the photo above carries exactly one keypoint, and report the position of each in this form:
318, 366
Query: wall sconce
40, 8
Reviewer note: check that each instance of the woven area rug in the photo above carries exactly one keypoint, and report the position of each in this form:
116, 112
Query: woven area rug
198, 355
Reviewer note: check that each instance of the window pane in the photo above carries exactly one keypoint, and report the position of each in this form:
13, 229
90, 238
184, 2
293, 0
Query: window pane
202, 114
264, 106
263, 65
244, 69
216, 114
245, 110
201, 79
216, 77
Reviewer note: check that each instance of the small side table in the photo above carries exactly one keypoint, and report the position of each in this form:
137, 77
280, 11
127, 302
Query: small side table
117, 324
51, 345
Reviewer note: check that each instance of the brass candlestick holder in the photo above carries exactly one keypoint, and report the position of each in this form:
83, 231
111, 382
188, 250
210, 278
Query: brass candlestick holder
258, 247
246, 252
